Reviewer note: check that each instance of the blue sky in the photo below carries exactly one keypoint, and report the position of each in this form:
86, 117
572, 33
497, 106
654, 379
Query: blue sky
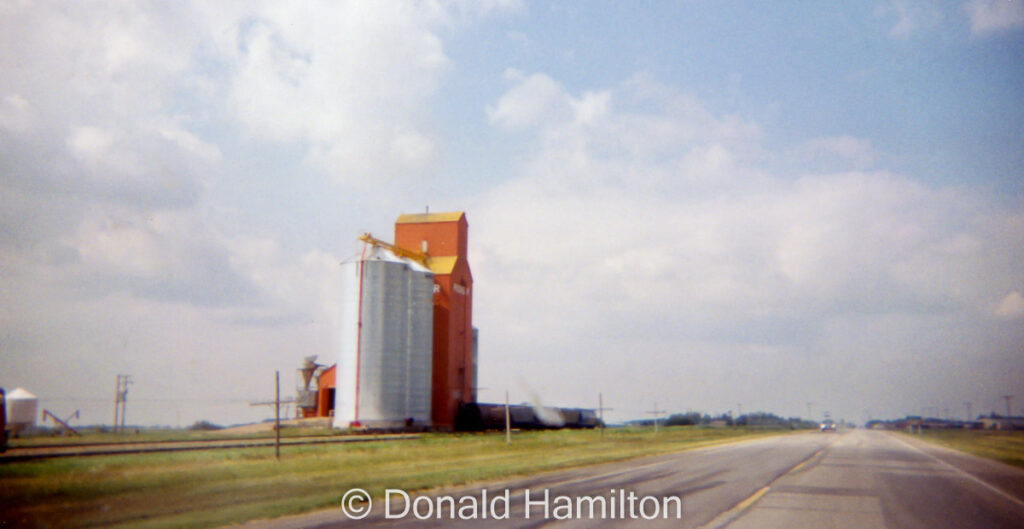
703, 204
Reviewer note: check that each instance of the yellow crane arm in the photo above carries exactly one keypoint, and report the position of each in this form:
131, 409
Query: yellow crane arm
401, 252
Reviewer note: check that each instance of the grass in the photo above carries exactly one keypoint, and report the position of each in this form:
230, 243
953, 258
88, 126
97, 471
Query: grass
153, 434
218, 487
1002, 445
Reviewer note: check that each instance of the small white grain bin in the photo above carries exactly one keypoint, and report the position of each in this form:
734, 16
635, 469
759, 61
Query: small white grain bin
21, 410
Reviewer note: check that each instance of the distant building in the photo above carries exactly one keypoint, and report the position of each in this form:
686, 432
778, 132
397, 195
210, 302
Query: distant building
996, 422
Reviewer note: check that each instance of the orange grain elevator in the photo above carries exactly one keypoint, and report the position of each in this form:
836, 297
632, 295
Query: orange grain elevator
443, 238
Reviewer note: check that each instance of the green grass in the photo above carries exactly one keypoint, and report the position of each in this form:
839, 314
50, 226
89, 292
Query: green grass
1002, 445
156, 434
218, 487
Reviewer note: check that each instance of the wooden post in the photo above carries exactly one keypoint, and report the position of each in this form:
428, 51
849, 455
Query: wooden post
277, 415
656, 413
117, 404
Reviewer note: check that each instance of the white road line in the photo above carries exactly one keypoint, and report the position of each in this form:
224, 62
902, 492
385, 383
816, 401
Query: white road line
663, 459
964, 473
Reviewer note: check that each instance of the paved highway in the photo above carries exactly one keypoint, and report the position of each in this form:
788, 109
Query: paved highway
857, 480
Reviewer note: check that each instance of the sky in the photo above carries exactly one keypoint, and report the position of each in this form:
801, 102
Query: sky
690, 205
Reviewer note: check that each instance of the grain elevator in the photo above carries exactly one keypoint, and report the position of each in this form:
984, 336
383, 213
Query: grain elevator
407, 352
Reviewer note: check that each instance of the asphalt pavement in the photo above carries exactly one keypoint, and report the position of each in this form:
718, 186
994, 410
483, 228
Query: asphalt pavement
856, 479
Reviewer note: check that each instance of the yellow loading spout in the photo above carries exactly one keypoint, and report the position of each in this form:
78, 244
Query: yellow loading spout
420, 258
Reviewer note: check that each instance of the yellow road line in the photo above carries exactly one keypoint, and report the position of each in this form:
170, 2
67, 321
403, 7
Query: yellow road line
728, 516
750, 501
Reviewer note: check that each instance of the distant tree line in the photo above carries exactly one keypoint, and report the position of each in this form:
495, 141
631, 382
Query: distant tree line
754, 420
205, 426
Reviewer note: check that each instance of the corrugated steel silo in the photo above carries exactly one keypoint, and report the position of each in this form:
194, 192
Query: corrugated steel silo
385, 359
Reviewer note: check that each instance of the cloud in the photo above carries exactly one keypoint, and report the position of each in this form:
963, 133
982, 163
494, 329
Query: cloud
653, 231
89, 144
533, 99
352, 84
587, 137
106, 121
992, 17
125, 134
1011, 307
167, 256
88, 95
190, 142
15, 114
638, 234
911, 17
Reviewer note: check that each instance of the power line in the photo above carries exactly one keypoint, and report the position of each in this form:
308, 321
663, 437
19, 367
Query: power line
149, 399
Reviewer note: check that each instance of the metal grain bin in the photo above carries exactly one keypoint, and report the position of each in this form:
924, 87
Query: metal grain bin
385, 359
21, 410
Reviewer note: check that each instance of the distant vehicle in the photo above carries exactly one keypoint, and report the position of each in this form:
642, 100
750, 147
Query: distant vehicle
828, 426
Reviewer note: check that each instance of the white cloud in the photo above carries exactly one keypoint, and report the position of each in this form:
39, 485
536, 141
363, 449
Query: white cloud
589, 137
16, 114
640, 223
118, 125
190, 142
652, 233
911, 17
162, 255
533, 99
85, 86
349, 85
1011, 307
989, 17
90, 144
352, 82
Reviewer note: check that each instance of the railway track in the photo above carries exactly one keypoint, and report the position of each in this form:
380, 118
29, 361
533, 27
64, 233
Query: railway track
28, 453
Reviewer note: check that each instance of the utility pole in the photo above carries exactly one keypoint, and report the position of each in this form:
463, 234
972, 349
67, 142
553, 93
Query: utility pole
121, 401
810, 416
508, 421
656, 413
277, 415
117, 403
600, 412
967, 404
1009, 401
